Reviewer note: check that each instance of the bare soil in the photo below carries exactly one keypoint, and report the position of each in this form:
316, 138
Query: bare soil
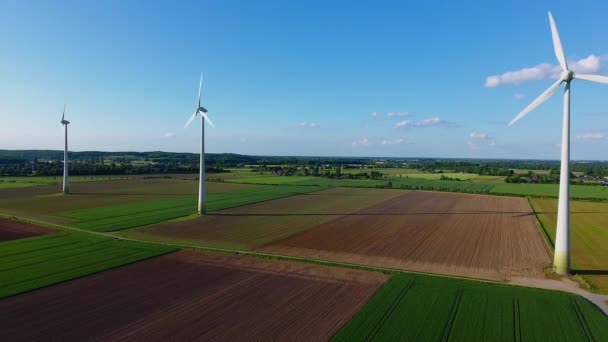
193, 296
491, 237
261, 223
13, 230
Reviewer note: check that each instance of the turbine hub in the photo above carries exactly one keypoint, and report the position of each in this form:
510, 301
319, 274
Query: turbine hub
567, 75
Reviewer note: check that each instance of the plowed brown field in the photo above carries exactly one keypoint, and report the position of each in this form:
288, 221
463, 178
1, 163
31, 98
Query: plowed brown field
13, 230
262, 223
193, 296
478, 236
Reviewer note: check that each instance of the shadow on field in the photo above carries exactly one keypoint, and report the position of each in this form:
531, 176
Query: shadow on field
573, 212
519, 213
130, 194
590, 272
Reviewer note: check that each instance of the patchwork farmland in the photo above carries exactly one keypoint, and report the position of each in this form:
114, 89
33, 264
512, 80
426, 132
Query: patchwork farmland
467, 235
13, 230
194, 296
251, 226
150, 291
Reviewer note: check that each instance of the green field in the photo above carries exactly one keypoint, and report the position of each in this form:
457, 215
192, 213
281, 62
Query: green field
437, 176
423, 308
140, 213
15, 182
551, 190
32, 263
589, 237
271, 180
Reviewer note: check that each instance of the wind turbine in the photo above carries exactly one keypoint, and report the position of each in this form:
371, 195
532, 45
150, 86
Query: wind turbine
561, 257
66, 182
202, 188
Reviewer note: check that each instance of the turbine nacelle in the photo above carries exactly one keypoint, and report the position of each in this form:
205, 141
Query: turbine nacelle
567, 75
65, 122
200, 110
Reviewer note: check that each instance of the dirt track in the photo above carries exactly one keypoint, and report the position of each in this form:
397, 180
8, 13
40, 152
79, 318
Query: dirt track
489, 237
13, 230
193, 296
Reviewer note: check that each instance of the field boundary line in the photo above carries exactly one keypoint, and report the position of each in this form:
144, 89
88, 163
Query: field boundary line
278, 257
541, 227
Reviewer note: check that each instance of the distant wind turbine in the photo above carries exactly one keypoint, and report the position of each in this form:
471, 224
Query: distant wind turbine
66, 182
561, 257
202, 188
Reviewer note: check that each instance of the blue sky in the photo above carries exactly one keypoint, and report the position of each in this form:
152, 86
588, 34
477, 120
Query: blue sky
301, 78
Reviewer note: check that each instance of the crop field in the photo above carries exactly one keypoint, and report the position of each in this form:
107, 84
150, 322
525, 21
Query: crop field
274, 180
437, 176
118, 217
16, 182
589, 237
423, 308
551, 190
36, 262
46, 202
254, 225
490, 237
13, 230
194, 296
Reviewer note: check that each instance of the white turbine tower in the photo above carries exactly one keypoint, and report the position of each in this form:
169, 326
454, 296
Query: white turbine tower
202, 189
561, 257
66, 182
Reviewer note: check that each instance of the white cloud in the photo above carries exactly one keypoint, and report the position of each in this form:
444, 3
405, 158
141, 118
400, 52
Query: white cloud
361, 142
591, 136
430, 122
169, 135
374, 115
309, 125
543, 71
398, 114
479, 135
422, 123
403, 124
393, 141
519, 96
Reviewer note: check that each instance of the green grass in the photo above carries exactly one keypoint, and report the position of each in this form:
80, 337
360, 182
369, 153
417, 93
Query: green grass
29, 264
271, 180
403, 183
588, 234
423, 308
17, 182
551, 190
437, 176
135, 214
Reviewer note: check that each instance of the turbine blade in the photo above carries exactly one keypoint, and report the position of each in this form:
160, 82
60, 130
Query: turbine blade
204, 115
191, 119
200, 87
542, 98
557, 44
63, 116
592, 78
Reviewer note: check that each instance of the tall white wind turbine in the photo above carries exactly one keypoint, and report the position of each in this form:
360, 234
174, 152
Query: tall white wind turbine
202, 188
561, 257
66, 181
